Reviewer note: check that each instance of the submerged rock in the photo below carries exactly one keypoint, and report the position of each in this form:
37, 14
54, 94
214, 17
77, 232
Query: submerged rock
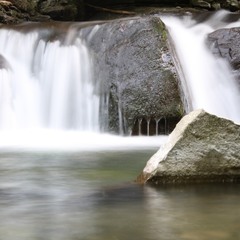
202, 148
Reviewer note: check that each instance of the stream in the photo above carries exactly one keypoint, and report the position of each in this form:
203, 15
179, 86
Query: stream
91, 195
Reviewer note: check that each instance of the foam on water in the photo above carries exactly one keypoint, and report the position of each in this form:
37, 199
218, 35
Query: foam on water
52, 140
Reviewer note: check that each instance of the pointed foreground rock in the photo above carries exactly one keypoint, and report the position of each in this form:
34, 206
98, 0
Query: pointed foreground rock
202, 148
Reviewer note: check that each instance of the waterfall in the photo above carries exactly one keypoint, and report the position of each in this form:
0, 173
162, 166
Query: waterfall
207, 81
46, 81
49, 96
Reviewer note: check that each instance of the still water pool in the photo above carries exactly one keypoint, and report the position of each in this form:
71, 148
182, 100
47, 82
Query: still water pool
46, 195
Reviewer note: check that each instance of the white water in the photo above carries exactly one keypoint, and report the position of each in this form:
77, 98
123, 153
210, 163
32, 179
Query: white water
48, 99
47, 84
207, 82
55, 140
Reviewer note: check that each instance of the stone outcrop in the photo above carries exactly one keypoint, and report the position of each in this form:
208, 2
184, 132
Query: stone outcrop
135, 68
202, 148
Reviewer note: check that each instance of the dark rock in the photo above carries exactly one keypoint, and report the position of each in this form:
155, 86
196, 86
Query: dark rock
28, 6
15, 11
216, 6
59, 10
202, 148
226, 44
233, 5
201, 4
10, 14
134, 64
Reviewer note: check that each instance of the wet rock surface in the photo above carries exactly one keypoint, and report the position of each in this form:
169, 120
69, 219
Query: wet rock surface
136, 71
202, 148
225, 43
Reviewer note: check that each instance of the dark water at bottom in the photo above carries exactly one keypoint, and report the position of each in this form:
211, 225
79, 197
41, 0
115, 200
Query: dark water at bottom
92, 196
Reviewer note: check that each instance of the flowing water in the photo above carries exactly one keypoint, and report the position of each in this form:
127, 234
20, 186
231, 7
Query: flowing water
46, 83
60, 178
207, 82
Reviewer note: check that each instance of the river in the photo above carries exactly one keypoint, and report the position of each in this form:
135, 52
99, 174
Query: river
79, 195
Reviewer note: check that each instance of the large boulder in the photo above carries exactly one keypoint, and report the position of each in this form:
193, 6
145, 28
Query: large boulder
202, 148
134, 65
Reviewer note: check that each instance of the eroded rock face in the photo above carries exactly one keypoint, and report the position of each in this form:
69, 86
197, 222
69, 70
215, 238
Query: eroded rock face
135, 67
202, 148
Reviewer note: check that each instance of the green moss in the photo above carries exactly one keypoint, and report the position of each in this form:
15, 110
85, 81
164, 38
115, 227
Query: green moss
160, 28
180, 110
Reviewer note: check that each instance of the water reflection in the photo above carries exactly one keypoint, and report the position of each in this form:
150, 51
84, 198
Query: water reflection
92, 196
198, 212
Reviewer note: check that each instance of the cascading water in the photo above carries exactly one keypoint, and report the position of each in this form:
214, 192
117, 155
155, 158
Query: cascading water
207, 82
47, 94
46, 84
49, 98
